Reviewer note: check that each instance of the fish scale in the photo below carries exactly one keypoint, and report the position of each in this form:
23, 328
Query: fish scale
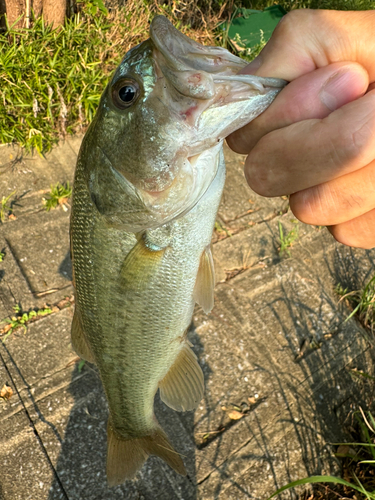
147, 187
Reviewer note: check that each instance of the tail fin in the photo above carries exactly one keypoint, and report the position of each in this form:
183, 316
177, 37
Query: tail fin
126, 457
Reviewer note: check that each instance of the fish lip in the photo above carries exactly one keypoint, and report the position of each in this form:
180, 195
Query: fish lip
272, 83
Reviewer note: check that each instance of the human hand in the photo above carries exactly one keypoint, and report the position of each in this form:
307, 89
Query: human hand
316, 142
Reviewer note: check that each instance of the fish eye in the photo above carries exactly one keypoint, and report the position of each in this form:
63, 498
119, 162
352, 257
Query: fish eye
125, 92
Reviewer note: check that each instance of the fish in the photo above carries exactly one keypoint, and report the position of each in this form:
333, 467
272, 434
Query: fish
147, 186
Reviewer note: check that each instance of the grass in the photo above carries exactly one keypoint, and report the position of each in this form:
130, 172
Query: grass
287, 240
58, 196
358, 464
21, 319
362, 303
52, 80
4, 207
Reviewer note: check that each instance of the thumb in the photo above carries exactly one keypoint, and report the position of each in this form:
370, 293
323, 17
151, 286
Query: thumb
312, 96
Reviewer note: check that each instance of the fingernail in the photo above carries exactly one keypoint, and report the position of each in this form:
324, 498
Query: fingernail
253, 66
340, 89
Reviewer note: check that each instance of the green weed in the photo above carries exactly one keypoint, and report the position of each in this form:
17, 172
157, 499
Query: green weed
81, 364
4, 207
93, 7
21, 319
239, 48
2, 255
222, 229
362, 301
58, 196
359, 466
52, 80
287, 240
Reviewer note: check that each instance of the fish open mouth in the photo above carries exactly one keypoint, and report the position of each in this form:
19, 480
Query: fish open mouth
208, 79
196, 70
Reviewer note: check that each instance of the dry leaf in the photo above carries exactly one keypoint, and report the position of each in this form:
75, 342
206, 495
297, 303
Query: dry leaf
236, 46
252, 400
235, 415
6, 392
345, 450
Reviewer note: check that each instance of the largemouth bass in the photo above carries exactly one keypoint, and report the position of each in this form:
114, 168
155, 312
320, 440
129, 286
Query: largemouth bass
147, 187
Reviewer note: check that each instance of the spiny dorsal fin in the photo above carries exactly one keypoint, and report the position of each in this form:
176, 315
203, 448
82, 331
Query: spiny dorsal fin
126, 456
183, 386
79, 341
205, 282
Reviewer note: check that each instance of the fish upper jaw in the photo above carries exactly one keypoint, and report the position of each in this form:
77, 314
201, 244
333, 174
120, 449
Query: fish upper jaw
214, 100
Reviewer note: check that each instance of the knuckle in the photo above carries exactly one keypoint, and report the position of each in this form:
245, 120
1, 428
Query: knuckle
289, 23
355, 141
235, 143
257, 178
360, 139
303, 206
298, 22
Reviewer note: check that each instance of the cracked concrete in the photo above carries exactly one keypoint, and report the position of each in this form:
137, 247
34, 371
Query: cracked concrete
275, 348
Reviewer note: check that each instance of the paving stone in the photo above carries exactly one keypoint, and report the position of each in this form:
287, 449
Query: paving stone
258, 246
26, 472
289, 448
257, 332
41, 354
240, 206
42, 252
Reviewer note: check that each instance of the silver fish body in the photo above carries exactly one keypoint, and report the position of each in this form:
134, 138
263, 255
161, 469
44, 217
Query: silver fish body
147, 187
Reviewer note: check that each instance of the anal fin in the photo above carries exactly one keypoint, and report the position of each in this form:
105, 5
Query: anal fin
79, 341
183, 386
205, 282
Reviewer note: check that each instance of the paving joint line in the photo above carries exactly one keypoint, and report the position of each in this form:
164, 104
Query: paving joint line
31, 423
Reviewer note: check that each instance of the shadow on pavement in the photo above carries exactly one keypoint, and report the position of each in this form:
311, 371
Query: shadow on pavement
303, 376
81, 462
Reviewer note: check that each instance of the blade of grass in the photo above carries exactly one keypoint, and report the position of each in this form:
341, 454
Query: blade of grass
321, 479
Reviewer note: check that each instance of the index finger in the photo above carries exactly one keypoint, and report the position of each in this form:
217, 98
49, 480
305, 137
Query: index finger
305, 40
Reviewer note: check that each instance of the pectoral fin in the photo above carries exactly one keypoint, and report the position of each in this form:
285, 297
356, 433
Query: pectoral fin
79, 341
205, 282
140, 263
182, 388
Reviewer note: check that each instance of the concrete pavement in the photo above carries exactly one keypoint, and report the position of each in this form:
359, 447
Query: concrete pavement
277, 354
